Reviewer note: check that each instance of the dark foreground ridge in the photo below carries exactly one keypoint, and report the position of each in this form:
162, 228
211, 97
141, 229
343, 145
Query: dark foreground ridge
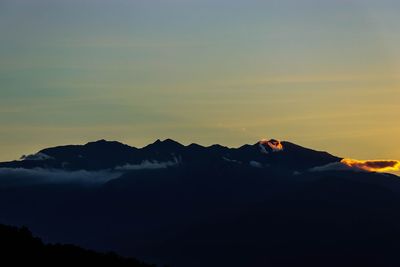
18, 246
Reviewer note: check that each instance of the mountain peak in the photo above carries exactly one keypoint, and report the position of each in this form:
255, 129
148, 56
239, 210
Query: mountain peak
101, 142
272, 145
171, 142
165, 144
167, 141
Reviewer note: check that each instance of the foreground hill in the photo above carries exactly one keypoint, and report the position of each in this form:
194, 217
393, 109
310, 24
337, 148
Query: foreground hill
18, 247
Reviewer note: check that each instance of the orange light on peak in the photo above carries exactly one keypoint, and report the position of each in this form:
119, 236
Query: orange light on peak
274, 144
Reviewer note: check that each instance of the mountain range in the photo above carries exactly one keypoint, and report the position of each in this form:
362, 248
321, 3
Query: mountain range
271, 203
102, 155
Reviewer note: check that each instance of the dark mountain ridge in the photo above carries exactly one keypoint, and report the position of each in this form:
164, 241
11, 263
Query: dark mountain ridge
103, 154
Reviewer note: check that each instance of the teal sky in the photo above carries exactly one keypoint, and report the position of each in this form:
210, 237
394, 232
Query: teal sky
324, 74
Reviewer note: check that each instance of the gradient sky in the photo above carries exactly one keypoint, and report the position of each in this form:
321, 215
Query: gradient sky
323, 74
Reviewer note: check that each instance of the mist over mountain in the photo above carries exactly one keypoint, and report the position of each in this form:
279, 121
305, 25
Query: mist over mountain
271, 203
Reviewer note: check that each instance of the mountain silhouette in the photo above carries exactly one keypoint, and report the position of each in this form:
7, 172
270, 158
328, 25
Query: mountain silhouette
103, 154
270, 203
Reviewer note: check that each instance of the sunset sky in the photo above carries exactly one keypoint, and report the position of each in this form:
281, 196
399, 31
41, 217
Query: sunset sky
323, 74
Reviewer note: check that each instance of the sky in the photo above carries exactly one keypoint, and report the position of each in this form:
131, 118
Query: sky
324, 74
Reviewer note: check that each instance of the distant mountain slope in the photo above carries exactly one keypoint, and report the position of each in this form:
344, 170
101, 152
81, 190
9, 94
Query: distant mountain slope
18, 246
103, 154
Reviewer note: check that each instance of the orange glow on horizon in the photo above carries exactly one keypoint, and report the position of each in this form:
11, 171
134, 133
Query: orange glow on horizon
373, 165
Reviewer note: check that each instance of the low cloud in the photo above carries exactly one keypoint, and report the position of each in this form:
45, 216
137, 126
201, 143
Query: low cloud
37, 176
231, 160
148, 165
360, 165
37, 156
10, 177
373, 165
255, 164
335, 166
